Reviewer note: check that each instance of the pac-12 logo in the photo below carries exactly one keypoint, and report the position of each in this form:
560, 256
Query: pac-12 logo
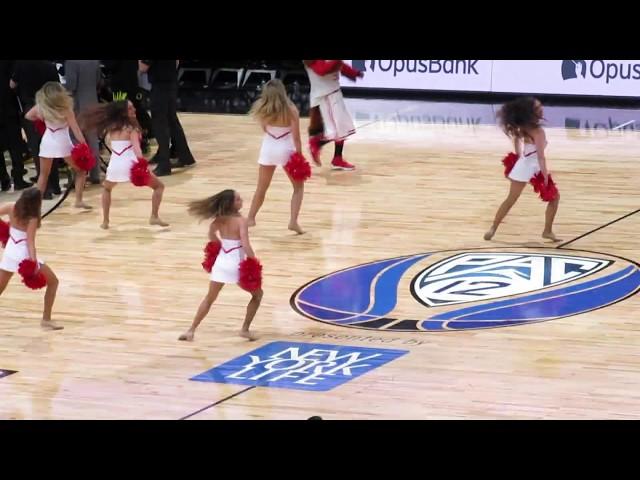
511, 287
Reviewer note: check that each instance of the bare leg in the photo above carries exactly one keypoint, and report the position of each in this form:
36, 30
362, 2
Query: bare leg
203, 310
81, 178
252, 308
106, 202
4, 279
156, 199
514, 193
549, 216
49, 298
43, 176
265, 174
296, 204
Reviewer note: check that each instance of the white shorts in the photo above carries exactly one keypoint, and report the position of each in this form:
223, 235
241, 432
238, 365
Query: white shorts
337, 120
276, 151
119, 169
13, 255
226, 269
56, 144
525, 168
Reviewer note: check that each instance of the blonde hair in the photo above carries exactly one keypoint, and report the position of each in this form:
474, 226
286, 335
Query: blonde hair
273, 105
53, 101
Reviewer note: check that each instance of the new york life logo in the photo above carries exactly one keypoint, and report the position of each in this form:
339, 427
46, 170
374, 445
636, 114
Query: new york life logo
455, 67
599, 69
300, 366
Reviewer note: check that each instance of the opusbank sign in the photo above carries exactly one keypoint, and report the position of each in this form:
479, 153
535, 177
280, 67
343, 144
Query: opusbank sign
618, 78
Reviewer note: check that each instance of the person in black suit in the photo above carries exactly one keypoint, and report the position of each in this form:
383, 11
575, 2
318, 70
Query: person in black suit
163, 75
10, 132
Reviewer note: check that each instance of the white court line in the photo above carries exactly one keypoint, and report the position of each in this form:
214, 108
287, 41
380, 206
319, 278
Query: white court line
623, 125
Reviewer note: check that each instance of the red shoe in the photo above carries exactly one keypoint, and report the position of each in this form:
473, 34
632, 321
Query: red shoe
314, 147
339, 163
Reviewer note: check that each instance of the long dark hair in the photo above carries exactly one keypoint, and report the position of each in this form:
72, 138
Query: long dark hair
221, 204
518, 117
107, 117
29, 205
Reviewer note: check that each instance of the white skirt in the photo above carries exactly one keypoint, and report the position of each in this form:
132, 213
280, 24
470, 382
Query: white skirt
276, 151
337, 120
56, 143
525, 168
226, 269
16, 251
119, 169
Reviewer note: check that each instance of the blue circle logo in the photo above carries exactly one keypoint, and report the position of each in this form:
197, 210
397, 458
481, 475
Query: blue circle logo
468, 289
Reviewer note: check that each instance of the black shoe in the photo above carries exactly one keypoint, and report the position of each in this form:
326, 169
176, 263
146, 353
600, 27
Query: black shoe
162, 172
181, 164
34, 179
47, 195
5, 185
20, 184
55, 190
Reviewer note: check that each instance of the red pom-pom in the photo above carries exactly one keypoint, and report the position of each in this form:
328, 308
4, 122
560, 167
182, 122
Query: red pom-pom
82, 157
350, 72
298, 168
140, 175
211, 251
4, 233
250, 274
548, 192
31, 276
509, 161
40, 126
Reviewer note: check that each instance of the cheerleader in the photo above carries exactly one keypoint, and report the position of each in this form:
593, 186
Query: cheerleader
54, 105
521, 120
280, 121
231, 230
24, 220
329, 119
117, 120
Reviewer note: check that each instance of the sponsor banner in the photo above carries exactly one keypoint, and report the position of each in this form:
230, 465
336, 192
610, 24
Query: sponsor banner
612, 78
453, 75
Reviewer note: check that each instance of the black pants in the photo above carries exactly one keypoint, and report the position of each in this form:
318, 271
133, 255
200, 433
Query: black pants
11, 140
166, 126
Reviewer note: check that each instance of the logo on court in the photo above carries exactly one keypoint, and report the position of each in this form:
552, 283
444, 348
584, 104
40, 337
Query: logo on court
470, 277
467, 290
300, 366
6, 373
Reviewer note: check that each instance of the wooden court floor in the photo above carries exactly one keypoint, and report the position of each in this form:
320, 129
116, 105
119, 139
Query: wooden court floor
127, 293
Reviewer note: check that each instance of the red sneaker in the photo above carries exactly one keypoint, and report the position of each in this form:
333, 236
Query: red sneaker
314, 147
339, 163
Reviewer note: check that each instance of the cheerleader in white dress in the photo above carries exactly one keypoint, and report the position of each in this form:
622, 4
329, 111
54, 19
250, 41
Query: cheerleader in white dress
280, 121
54, 106
24, 220
521, 120
117, 120
231, 229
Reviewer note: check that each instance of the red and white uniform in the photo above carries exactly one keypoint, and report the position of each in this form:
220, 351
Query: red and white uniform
326, 93
16, 251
